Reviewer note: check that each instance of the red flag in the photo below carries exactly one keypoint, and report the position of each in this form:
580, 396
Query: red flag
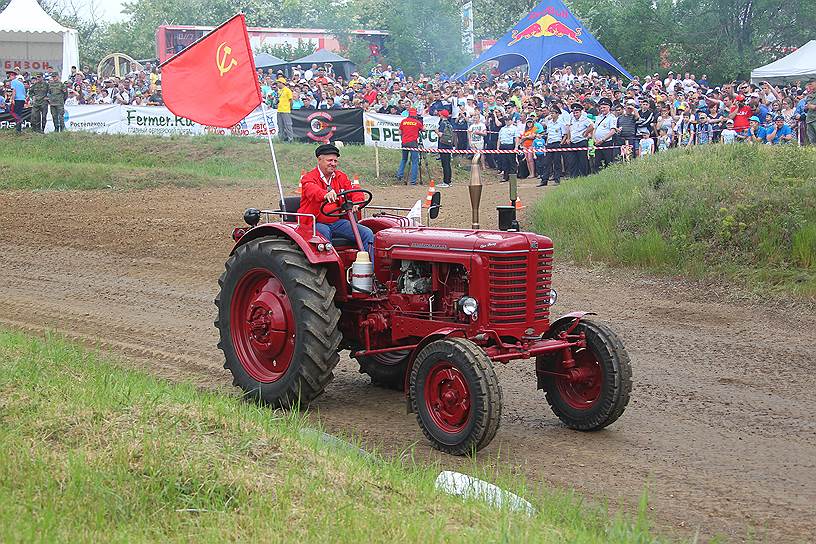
213, 81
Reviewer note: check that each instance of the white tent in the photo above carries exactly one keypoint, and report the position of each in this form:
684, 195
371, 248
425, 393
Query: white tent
799, 65
34, 42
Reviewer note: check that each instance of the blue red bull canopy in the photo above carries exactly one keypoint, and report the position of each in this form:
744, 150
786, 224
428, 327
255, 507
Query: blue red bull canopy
550, 35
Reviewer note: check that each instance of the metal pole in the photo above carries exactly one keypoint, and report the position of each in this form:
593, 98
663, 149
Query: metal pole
272, 149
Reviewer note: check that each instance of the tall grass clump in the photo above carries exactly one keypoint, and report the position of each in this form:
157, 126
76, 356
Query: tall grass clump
743, 212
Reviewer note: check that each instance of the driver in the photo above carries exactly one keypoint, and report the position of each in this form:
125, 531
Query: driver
323, 184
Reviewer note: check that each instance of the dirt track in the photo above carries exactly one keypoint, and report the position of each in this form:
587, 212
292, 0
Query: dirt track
720, 427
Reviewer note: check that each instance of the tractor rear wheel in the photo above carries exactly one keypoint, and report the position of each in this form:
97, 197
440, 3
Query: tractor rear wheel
593, 393
386, 369
278, 323
456, 396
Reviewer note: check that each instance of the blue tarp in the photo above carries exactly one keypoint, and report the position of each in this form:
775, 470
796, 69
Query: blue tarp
548, 35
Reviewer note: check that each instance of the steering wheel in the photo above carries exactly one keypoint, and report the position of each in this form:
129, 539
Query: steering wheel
341, 210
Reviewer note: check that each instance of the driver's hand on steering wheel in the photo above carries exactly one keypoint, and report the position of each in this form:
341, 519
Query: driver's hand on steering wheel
331, 196
355, 208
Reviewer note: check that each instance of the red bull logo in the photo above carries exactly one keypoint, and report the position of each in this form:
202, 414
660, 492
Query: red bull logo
547, 26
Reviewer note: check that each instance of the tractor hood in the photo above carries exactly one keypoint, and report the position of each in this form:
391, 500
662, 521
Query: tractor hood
479, 241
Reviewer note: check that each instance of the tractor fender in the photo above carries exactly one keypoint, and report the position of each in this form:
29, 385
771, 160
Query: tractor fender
566, 318
329, 258
433, 337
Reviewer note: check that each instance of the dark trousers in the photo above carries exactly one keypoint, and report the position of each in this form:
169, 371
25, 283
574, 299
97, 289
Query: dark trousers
604, 156
539, 166
17, 113
552, 163
578, 160
39, 114
445, 159
490, 142
506, 161
58, 116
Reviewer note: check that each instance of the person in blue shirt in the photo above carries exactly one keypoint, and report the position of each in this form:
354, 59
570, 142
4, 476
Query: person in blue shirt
19, 97
779, 132
539, 145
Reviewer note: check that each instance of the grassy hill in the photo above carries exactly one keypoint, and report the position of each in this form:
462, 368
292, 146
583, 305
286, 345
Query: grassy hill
75, 160
744, 213
94, 453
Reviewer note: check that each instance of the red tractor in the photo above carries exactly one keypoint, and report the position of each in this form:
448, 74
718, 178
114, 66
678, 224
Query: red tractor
439, 307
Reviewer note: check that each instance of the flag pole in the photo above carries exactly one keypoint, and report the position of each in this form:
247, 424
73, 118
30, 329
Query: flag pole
272, 149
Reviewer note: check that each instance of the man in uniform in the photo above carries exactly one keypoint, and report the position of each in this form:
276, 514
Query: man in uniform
37, 92
810, 112
323, 184
580, 128
56, 99
605, 128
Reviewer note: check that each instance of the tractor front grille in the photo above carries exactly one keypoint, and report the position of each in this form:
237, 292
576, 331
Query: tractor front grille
513, 280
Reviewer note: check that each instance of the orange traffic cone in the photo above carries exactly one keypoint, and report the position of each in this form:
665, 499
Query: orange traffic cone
299, 189
429, 196
355, 182
519, 205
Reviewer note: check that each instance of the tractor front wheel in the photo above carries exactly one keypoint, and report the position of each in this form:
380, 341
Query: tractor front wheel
278, 323
456, 396
593, 392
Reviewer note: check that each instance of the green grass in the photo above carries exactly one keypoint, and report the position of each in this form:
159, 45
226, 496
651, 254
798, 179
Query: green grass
74, 160
743, 213
91, 452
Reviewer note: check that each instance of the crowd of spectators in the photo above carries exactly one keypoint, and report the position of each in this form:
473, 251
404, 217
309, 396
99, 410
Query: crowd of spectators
613, 117
139, 88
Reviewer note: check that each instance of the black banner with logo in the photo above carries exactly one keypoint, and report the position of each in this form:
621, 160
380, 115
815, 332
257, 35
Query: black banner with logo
7, 119
329, 125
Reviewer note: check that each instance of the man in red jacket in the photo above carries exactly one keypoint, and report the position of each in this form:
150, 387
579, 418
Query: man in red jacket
410, 127
323, 184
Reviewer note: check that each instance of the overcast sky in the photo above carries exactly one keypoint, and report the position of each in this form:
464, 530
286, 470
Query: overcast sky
106, 10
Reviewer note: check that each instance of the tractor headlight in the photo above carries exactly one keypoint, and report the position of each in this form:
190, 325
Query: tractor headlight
468, 305
553, 296
321, 247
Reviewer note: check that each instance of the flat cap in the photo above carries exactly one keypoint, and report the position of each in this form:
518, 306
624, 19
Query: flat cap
327, 149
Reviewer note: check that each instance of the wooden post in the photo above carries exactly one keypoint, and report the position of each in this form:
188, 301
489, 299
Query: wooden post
377, 159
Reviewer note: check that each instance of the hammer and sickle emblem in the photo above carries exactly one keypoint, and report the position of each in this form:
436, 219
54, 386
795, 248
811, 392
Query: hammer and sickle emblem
221, 55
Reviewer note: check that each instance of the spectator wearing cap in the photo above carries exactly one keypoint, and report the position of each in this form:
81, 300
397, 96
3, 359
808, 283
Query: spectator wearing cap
729, 135
38, 92
779, 132
555, 132
626, 133
410, 129
18, 97
606, 126
579, 130
285, 109
756, 132
741, 114
446, 136
508, 140
56, 100
322, 185
705, 131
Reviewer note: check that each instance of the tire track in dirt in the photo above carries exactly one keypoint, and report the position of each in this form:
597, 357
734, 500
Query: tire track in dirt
720, 424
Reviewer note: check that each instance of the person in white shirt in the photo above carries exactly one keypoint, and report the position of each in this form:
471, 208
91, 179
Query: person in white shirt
508, 140
605, 128
476, 132
729, 135
579, 130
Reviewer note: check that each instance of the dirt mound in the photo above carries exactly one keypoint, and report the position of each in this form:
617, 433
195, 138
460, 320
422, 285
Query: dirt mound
720, 426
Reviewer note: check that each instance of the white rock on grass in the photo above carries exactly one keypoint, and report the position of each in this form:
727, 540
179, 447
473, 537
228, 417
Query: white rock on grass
462, 485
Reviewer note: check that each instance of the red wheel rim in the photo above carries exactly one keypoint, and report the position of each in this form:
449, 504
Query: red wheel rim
447, 397
262, 326
582, 388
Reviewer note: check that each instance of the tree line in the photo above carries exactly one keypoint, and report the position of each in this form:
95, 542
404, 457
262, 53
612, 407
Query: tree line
724, 39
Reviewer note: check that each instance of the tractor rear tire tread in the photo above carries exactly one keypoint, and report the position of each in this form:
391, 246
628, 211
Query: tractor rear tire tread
316, 319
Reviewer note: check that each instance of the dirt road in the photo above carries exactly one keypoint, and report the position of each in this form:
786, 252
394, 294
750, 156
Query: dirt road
721, 425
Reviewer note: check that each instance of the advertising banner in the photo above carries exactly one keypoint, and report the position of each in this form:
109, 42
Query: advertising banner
7, 119
102, 119
383, 130
326, 125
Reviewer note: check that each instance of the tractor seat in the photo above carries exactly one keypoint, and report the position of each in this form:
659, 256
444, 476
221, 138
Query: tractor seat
292, 204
